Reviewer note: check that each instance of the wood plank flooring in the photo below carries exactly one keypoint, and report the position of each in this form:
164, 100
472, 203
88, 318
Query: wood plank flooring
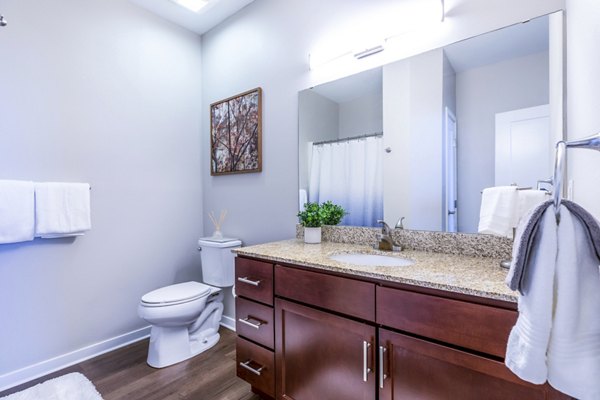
124, 374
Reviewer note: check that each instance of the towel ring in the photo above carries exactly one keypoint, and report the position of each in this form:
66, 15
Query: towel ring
591, 142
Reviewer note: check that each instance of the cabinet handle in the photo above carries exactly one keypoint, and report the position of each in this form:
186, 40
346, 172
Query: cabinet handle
366, 369
248, 281
382, 374
249, 368
246, 321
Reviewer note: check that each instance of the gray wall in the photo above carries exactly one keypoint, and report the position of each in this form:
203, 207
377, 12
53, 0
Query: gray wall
508, 85
361, 116
103, 92
318, 120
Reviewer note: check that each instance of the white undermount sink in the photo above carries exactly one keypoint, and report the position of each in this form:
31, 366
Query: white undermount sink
372, 260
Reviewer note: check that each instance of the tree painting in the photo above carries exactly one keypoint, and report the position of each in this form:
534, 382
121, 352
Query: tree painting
235, 135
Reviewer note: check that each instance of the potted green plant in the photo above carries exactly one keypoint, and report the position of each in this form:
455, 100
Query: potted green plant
332, 213
312, 220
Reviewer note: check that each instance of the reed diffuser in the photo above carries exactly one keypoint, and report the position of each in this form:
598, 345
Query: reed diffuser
218, 223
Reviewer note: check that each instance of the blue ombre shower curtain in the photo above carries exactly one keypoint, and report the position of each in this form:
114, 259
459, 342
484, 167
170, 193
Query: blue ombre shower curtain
349, 173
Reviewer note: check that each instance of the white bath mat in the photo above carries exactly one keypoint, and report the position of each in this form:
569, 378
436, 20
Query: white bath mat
73, 386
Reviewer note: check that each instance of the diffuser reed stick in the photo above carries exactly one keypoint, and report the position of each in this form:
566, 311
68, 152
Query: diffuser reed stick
218, 223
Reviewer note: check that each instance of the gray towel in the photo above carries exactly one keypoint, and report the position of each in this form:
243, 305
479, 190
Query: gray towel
526, 236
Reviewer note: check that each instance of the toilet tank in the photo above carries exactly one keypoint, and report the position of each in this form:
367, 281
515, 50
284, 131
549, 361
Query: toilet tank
218, 260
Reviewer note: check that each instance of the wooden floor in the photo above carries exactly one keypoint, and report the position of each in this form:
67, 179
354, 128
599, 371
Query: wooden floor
124, 374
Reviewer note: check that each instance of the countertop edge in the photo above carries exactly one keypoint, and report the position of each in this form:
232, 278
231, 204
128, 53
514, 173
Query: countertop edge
374, 275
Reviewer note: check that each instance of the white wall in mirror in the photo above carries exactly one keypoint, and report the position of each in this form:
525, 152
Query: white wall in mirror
413, 98
434, 185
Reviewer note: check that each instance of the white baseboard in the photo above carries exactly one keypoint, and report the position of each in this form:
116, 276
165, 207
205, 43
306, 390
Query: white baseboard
228, 322
26, 374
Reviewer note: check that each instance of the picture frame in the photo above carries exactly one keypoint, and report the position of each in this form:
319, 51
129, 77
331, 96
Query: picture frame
236, 134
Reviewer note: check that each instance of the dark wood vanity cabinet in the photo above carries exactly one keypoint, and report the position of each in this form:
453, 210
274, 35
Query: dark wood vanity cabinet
341, 337
320, 355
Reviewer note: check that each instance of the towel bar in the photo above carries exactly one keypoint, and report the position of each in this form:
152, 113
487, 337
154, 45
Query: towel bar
591, 142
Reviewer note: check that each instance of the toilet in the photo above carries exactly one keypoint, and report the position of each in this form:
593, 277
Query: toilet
185, 317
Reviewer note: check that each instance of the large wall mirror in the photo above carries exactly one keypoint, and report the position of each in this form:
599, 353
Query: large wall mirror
420, 138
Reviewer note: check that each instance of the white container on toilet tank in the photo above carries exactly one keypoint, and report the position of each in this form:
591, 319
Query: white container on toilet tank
218, 260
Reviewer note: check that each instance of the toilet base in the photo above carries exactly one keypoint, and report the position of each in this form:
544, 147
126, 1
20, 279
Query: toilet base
172, 345
201, 346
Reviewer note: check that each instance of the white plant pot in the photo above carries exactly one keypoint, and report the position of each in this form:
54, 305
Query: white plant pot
312, 235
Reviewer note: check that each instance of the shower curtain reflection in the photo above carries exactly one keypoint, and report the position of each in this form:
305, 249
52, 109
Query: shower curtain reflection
349, 173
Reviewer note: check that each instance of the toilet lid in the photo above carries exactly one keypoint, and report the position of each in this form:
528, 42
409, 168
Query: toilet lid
177, 293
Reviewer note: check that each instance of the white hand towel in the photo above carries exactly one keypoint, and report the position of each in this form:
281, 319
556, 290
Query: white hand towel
528, 340
574, 350
16, 211
498, 208
557, 334
528, 200
62, 209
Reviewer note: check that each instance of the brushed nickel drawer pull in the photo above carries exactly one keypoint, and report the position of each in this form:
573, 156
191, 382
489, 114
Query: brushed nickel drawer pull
366, 369
246, 321
248, 281
249, 368
382, 374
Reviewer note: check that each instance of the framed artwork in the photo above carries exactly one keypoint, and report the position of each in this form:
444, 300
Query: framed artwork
236, 134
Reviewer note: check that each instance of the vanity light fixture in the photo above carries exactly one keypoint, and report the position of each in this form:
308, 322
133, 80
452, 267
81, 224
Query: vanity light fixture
432, 11
368, 52
192, 5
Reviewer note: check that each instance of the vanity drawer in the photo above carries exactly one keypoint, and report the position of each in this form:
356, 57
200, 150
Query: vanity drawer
255, 322
254, 280
334, 293
256, 365
472, 326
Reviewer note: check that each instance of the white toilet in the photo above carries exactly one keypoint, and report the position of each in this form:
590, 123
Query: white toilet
185, 317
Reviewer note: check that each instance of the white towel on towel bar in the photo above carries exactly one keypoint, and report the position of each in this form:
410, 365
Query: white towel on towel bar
498, 209
62, 209
528, 200
16, 211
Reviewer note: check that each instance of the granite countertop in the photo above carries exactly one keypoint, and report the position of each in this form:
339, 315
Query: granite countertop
478, 276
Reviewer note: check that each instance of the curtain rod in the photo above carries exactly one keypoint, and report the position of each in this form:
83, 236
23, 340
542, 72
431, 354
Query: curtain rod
348, 139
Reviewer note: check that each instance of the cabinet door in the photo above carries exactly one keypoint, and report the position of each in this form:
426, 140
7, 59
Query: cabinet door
419, 370
322, 356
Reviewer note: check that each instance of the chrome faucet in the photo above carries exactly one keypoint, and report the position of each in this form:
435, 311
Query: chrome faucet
400, 223
385, 240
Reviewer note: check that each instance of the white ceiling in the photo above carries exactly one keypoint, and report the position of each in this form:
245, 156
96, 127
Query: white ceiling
215, 12
504, 44
352, 87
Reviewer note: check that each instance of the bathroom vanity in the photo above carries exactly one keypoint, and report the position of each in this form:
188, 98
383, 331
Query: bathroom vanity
310, 327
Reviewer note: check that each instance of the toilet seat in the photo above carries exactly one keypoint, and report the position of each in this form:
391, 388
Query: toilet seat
176, 294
